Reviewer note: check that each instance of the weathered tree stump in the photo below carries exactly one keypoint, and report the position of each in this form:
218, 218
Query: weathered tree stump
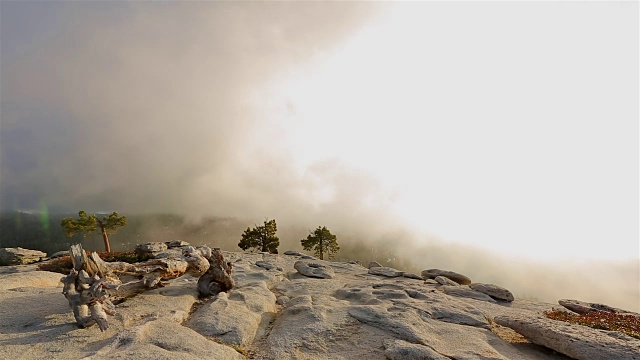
85, 289
218, 278
92, 282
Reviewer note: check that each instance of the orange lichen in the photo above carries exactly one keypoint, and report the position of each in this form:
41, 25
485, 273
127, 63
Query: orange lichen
627, 324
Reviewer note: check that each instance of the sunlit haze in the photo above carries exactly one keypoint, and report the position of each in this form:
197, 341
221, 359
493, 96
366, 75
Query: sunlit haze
483, 125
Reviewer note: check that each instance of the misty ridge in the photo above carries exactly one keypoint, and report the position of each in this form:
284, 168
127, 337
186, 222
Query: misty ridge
613, 283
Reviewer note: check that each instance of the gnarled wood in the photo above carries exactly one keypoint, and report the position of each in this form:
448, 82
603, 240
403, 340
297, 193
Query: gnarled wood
92, 282
218, 278
86, 290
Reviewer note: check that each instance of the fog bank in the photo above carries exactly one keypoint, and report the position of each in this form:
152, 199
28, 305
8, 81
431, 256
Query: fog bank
450, 135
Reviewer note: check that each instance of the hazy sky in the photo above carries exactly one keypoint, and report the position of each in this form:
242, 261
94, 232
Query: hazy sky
512, 126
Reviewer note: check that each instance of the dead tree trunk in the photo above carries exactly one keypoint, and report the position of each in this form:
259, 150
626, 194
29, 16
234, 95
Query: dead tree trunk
92, 282
218, 278
86, 290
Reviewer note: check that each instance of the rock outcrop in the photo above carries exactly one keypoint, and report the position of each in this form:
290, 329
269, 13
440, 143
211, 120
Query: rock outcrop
576, 341
314, 269
282, 307
20, 256
445, 281
385, 271
495, 291
467, 292
458, 278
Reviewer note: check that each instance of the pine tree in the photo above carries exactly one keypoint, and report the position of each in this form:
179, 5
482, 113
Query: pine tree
321, 241
87, 224
261, 237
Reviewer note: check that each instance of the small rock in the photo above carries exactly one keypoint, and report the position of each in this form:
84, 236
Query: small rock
151, 248
576, 306
293, 253
20, 256
265, 265
374, 264
459, 278
465, 291
412, 276
282, 300
29, 279
315, 270
176, 243
385, 271
431, 282
309, 257
445, 281
494, 291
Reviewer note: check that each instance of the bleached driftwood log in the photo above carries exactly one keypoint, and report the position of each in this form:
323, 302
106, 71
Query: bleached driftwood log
92, 282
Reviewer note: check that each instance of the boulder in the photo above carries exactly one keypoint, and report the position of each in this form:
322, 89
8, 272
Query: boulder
582, 307
458, 312
576, 341
20, 256
459, 278
31, 279
373, 264
445, 281
151, 248
465, 291
312, 269
265, 265
293, 253
385, 271
495, 291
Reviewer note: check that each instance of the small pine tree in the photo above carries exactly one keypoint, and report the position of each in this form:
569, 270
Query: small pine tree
87, 224
261, 237
321, 241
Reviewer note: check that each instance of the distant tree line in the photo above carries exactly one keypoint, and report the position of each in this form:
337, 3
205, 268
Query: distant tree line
45, 233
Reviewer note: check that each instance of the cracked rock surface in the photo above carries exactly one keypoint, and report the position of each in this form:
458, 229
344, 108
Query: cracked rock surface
277, 311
